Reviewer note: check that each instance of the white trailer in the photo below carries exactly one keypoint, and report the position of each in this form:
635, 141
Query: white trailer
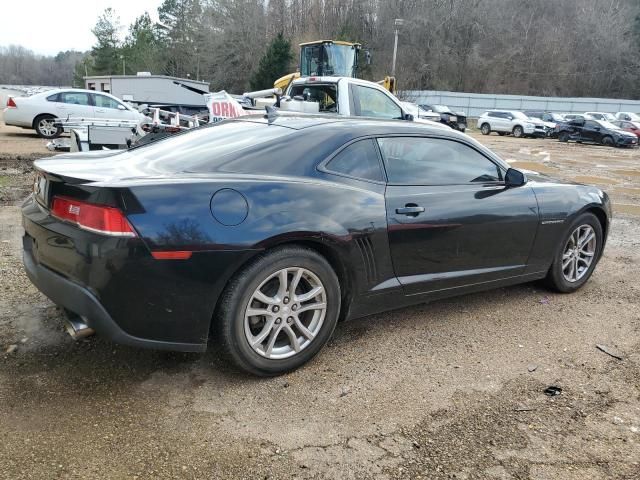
169, 93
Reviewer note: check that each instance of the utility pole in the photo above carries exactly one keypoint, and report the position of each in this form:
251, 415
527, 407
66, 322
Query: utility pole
123, 70
397, 23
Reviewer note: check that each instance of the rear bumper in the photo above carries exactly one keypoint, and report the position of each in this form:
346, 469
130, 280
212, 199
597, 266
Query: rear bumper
13, 118
80, 300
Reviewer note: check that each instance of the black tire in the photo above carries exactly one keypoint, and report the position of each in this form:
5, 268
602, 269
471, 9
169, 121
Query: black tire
607, 141
502, 134
43, 127
230, 318
517, 131
555, 278
563, 137
485, 128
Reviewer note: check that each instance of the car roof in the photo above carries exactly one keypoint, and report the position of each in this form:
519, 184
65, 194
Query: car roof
71, 89
360, 126
350, 128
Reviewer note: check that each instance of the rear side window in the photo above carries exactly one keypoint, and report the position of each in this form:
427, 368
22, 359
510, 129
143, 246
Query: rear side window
75, 98
215, 147
433, 161
325, 95
359, 160
52, 98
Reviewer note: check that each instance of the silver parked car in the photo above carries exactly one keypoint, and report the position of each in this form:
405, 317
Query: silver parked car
508, 122
40, 111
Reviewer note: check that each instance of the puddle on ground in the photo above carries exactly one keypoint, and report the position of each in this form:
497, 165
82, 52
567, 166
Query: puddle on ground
626, 208
596, 180
536, 167
633, 173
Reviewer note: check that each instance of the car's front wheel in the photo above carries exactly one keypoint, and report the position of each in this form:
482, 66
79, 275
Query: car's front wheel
279, 311
518, 131
607, 141
46, 128
577, 255
563, 137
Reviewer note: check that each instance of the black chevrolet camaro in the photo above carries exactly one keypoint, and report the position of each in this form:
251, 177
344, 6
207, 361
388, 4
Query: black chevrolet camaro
267, 231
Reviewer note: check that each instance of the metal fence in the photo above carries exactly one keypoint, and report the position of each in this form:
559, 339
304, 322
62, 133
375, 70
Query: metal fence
474, 104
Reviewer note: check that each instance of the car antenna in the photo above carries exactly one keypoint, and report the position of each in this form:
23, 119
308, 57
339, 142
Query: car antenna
271, 114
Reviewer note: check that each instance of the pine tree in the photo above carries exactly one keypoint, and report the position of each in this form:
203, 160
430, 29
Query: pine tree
106, 53
274, 64
143, 47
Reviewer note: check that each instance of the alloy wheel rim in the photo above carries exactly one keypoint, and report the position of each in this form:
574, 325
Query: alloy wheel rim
285, 313
578, 253
47, 127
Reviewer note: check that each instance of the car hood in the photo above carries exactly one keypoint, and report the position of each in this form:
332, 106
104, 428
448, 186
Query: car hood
537, 178
623, 133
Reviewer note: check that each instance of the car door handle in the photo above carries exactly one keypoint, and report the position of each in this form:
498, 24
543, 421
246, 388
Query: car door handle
410, 210
99, 110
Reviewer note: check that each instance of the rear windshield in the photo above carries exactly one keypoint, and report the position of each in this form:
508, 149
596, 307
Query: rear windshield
204, 149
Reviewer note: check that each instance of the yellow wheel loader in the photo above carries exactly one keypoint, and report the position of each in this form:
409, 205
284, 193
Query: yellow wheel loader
330, 58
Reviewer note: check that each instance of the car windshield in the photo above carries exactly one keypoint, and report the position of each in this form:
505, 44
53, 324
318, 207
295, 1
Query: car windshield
557, 117
519, 115
633, 117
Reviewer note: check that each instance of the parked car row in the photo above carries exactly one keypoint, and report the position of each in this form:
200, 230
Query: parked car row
620, 130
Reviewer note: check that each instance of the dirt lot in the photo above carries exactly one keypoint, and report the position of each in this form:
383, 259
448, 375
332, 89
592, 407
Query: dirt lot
453, 389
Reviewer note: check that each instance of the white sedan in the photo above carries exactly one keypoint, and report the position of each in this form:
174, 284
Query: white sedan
41, 110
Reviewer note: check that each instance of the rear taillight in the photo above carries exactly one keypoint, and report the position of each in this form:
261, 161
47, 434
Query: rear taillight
95, 218
11, 103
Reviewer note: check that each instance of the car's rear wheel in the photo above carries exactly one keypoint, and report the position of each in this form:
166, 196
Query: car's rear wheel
577, 255
485, 129
517, 131
279, 311
607, 141
45, 128
563, 137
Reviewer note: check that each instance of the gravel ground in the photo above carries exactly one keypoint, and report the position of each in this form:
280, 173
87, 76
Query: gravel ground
452, 389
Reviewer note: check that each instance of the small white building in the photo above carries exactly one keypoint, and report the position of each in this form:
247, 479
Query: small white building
171, 93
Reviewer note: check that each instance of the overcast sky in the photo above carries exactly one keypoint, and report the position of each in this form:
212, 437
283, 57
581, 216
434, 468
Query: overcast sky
48, 27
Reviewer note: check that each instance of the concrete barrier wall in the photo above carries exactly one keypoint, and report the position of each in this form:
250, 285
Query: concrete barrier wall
474, 104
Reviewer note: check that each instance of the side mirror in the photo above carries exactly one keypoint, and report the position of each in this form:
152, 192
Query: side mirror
408, 117
514, 178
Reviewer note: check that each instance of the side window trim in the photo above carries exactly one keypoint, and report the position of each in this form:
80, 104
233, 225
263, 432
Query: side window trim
322, 166
499, 167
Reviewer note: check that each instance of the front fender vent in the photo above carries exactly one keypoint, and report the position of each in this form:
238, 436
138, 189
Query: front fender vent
365, 247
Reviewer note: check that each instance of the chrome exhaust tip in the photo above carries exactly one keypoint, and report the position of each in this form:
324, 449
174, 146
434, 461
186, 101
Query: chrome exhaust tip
77, 328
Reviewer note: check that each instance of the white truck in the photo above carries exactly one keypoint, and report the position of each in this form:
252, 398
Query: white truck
346, 96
